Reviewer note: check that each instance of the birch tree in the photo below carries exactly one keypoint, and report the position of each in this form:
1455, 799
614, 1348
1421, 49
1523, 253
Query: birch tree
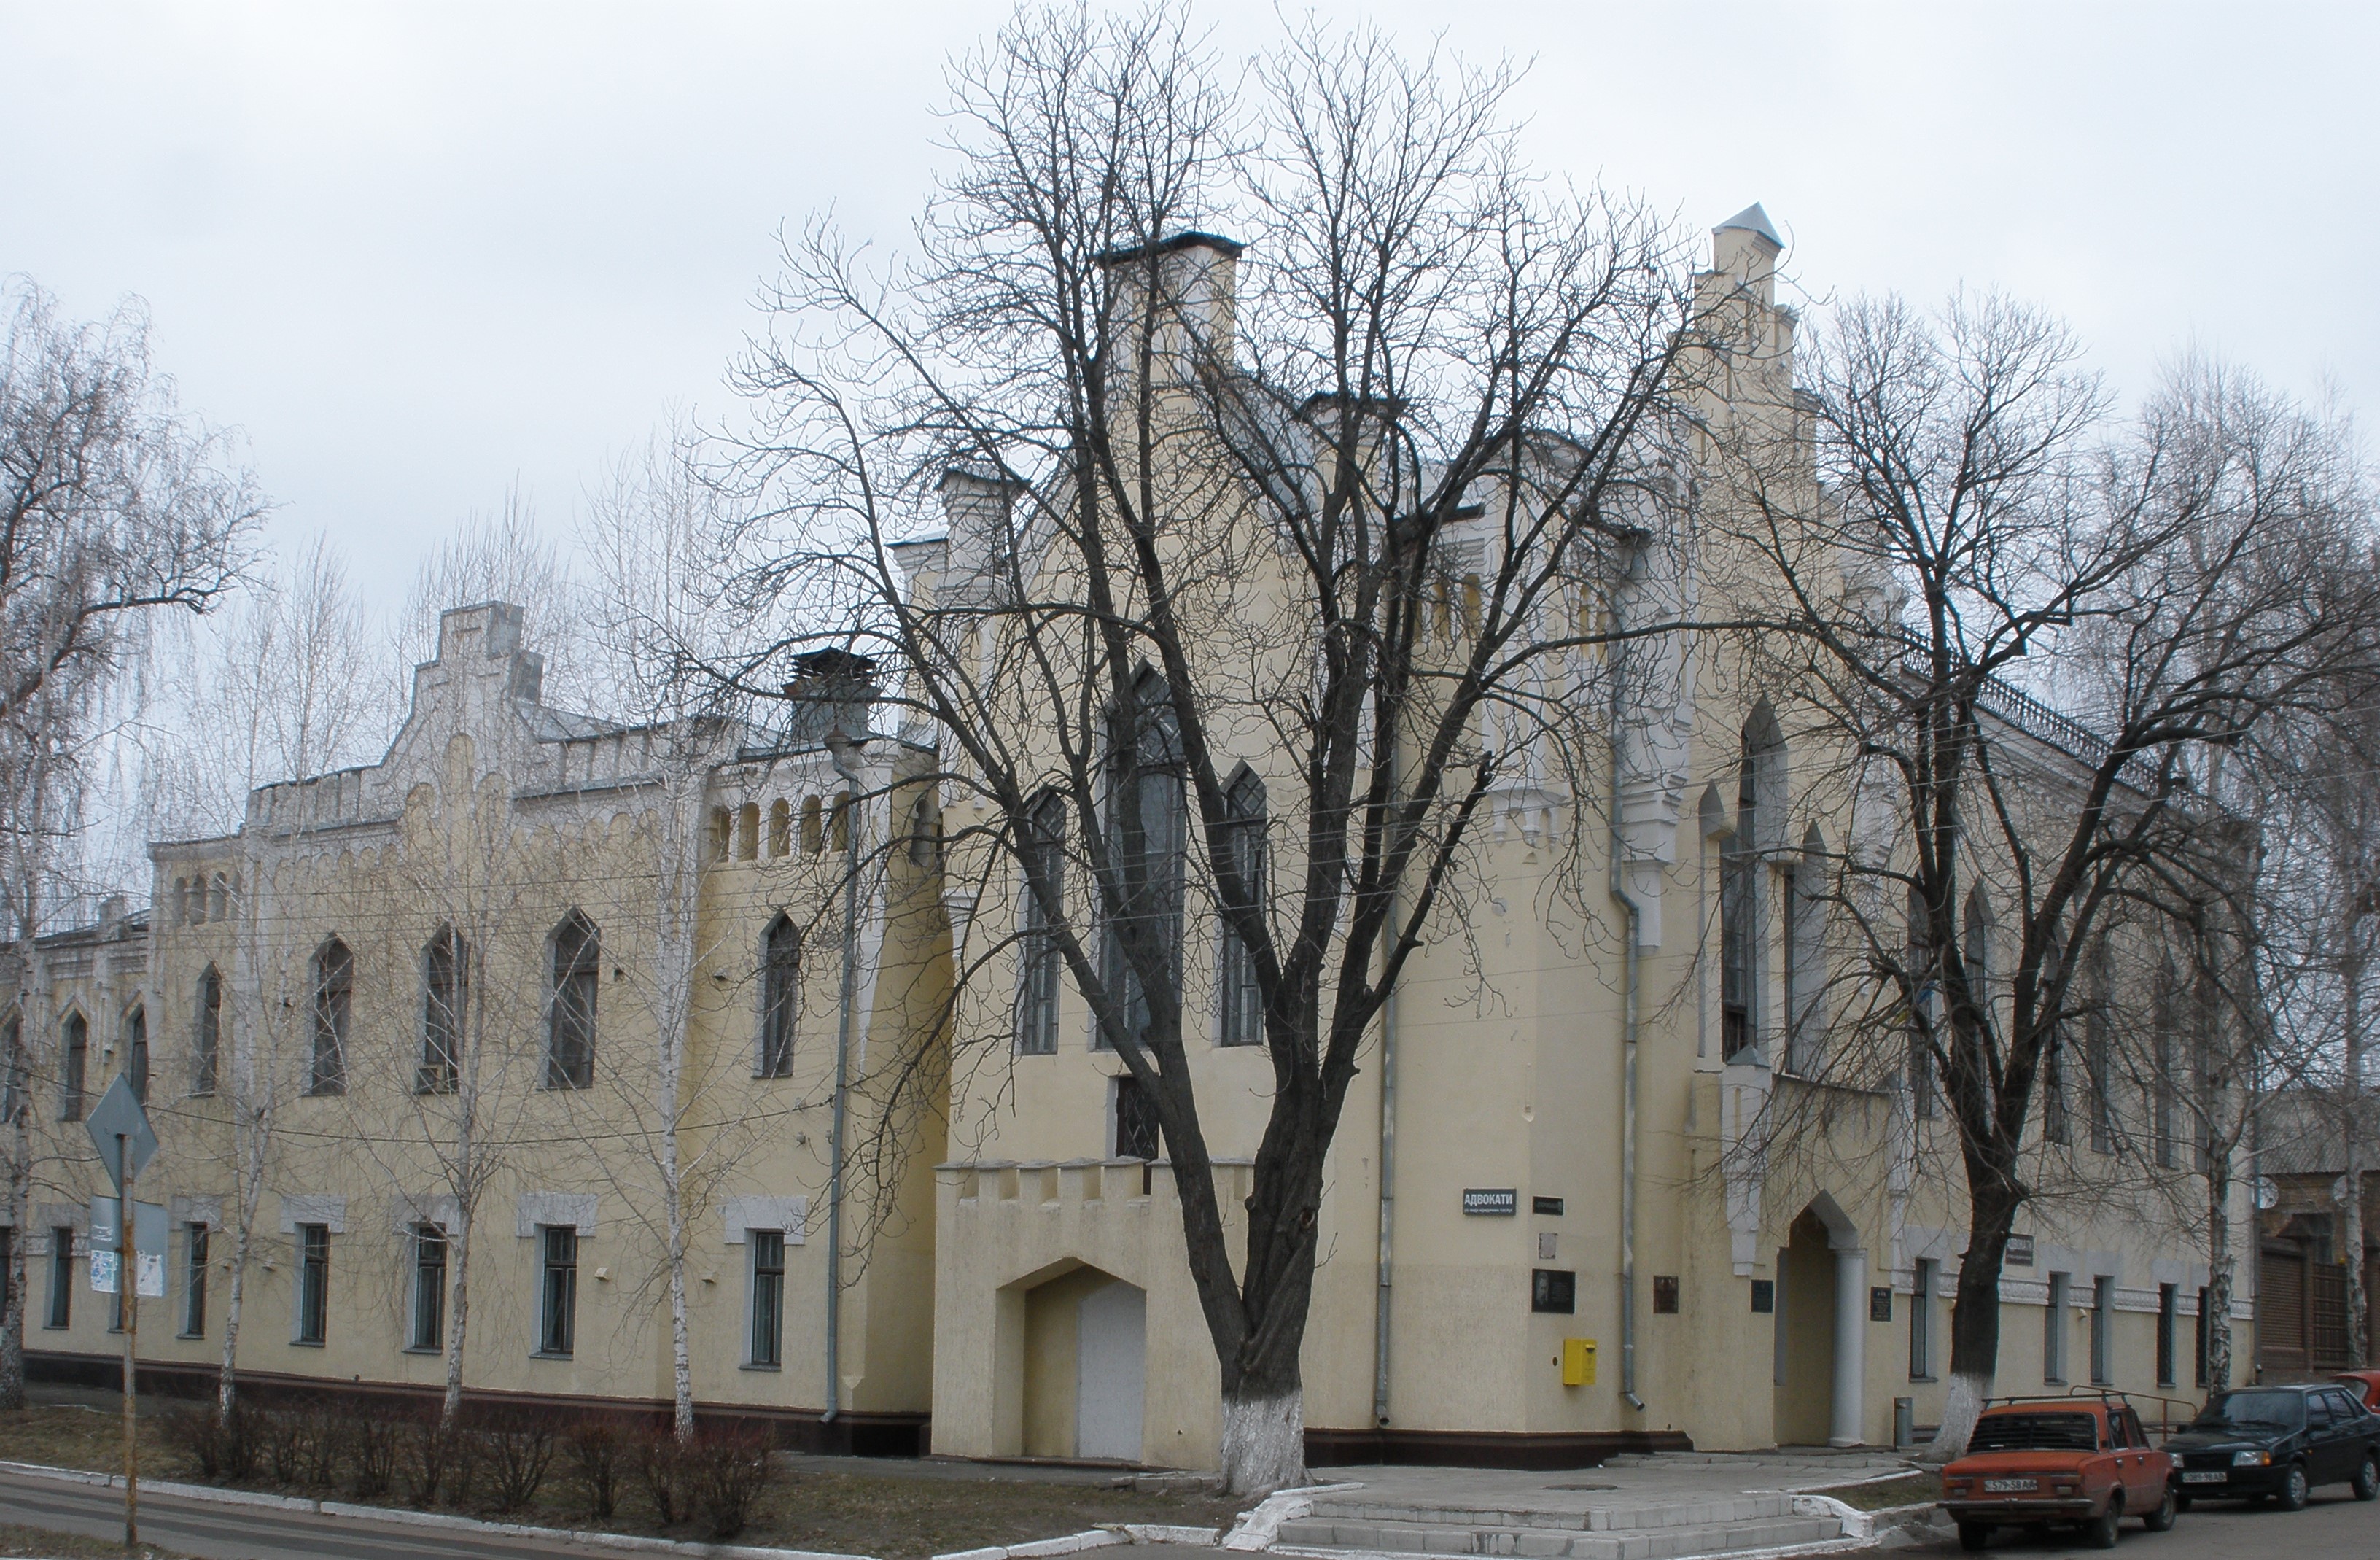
114, 505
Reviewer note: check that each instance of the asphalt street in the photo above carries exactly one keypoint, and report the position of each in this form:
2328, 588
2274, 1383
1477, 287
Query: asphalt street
245, 1532
2333, 1527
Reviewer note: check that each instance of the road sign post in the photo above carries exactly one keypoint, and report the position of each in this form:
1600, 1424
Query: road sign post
119, 1128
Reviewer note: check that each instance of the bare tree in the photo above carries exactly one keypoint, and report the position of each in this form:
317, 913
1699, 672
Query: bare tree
1343, 501
658, 541
113, 504
1986, 545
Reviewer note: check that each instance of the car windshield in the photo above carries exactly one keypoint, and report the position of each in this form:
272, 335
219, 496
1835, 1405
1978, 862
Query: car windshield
2234, 1411
2035, 1432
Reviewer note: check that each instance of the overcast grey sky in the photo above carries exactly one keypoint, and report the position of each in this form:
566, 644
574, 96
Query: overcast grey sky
422, 252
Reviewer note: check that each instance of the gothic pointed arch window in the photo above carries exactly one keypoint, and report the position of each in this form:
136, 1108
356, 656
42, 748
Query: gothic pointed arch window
1976, 937
1239, 999
335, 993
206, 1059
13, 1071
577, 957
1759, 817
780, 996
1147, 823
1043, 852
445, 998
74, 1047
136, 1052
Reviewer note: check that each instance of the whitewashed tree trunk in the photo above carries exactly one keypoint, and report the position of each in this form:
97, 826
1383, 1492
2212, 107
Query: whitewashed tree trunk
458, 1316
1264, 1442
1962, 1404
2351, 1241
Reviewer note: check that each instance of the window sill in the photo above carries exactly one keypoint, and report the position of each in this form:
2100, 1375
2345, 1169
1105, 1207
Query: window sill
770, 1368
417, 1348
1924, 1381
307, 1342
190, 1338
543, 1353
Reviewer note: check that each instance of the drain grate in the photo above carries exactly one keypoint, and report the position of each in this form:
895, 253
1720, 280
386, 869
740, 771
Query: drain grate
1582, 1486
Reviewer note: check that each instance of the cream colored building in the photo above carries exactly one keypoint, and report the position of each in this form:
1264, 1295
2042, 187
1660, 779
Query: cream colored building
1012, 1266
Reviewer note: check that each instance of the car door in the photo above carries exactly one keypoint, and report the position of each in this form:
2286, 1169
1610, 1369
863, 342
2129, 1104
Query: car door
2145, 1488
2349, 1430
2323, 1452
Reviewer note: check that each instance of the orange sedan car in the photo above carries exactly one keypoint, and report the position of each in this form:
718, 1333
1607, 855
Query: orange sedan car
2035, 1462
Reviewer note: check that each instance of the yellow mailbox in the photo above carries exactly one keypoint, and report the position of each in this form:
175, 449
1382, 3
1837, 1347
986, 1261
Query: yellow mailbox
1578, 1362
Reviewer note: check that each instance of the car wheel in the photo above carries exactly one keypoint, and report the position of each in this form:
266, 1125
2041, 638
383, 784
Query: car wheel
2100, 1531
1973, 1535
2160, 1520
2367, 1478
2291, 1496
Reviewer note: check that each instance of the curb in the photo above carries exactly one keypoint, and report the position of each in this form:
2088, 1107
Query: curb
404, 1516
1070, 1544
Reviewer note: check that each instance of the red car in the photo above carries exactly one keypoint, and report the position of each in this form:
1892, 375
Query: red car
2034, 1462
2365, 1385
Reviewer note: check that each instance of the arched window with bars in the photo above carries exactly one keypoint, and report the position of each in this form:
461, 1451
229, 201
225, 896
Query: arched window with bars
578, 957
780, 996
206, 1058
446, 997
335, 995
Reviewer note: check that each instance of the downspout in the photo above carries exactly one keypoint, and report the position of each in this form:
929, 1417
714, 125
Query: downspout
1634, 913
840, 749
1388, 1145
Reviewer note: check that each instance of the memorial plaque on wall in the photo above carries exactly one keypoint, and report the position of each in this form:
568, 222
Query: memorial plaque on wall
1552, 1289
1764, 1296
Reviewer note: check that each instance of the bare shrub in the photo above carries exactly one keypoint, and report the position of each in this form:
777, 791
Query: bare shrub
214, 1447
515, 1446
663, 1468
730, 1468
433, 1461
600, 1449
373, 1438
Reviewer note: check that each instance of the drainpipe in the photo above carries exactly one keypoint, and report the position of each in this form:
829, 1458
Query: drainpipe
840, 748
1634, 913
1388, 1148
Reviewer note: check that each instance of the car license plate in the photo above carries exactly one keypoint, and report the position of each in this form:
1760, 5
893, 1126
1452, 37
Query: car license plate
2011, 1486
2210, 1476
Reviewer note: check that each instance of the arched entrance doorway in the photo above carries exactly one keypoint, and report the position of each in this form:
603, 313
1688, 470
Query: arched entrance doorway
1821, 1329
1084, 1367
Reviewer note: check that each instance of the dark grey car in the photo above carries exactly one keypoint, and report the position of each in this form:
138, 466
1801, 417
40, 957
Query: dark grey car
2278, 1442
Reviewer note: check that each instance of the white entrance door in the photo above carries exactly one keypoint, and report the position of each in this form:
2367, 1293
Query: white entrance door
1110, 1336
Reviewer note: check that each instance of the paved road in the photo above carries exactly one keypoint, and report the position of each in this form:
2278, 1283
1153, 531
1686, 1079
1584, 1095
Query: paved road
2333, 1526
245, 1532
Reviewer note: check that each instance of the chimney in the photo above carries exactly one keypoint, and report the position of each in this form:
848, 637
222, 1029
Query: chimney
1745, 247
976, 513
1197, 279
831, 692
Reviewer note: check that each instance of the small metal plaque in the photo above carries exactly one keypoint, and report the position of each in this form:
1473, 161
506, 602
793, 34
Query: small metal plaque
1551, 1206
1665, 1294
1497, 1201
1764, 1296
2018, 1252
1879, 1304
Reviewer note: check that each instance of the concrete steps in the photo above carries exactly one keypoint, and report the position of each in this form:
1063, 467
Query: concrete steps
1629, 1530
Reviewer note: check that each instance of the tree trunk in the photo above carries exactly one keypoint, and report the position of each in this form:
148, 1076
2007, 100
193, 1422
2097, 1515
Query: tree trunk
2218, 1322
681, 1356
458, 1313
1264, 1441
2350, 1240
1975, 1321
12, 1318
227, 1377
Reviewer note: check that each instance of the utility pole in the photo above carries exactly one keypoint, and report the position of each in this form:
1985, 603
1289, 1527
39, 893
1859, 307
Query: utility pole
128, 1288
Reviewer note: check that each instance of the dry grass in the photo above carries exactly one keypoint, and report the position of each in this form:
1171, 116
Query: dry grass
1911, 1488
897, 1514
15, 1541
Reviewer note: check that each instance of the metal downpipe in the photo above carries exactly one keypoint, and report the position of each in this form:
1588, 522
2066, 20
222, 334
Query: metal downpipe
1634, 913
1387, 1268
840, 747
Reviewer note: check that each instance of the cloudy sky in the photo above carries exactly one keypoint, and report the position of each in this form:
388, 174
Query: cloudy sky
426, 253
